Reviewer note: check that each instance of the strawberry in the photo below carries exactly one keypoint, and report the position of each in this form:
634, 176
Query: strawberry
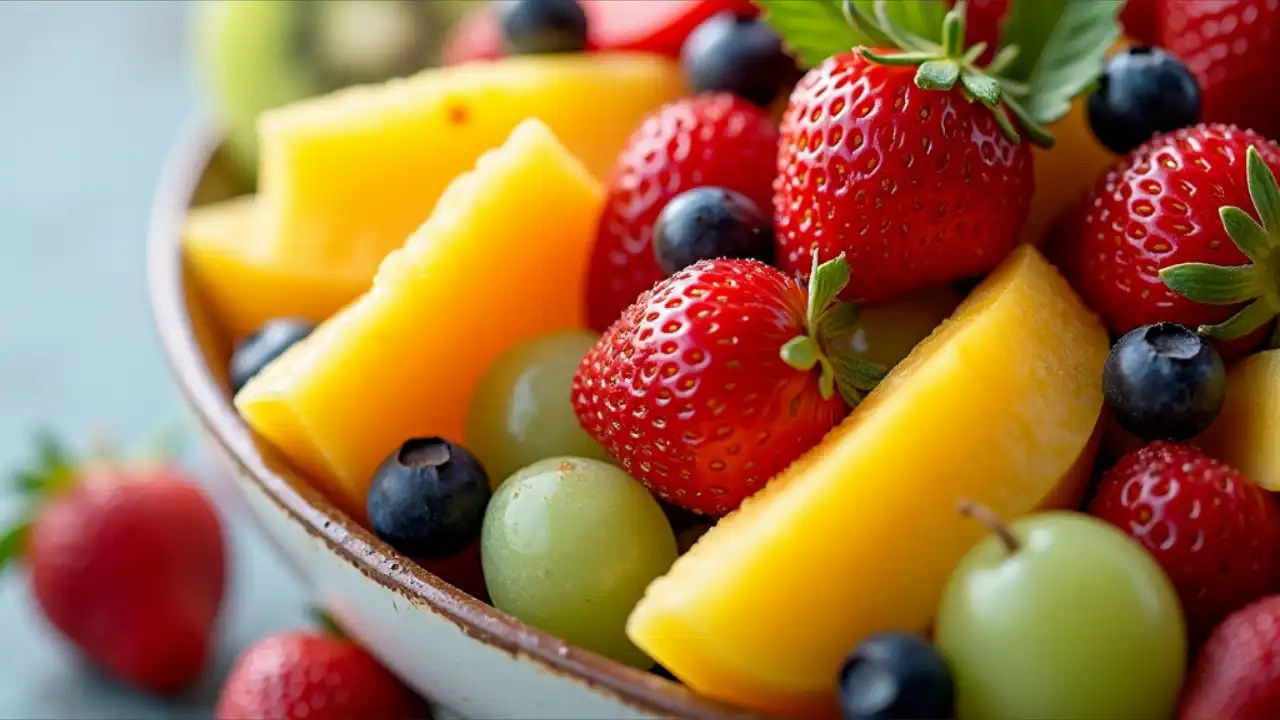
1233, 48
128, 563
1214, 532
316, 676
1147, 243
1237, 674
711, 139
1140, 20
899, 169
476, 36
719, 377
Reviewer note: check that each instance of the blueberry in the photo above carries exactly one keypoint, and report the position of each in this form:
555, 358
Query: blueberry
896, 675
531, 27
1164, 382
1144, 91
427, 499
710, 222
743, 56
270, 341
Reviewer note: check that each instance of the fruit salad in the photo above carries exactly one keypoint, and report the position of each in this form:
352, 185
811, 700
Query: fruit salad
854, 358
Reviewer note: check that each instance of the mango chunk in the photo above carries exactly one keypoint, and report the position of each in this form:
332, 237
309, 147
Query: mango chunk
503, 258
245, 286
345, 177
1246, 433
861, 534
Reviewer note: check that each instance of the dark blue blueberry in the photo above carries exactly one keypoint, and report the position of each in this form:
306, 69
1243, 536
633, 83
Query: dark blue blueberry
268, 343
532, 27
896, 675
1164, 382
427, 499
710, 222
743, 56
1143, 92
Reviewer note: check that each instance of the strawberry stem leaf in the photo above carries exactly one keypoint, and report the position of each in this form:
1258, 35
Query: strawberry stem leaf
1257, 283
983, 88
326, 622
801, 352
13, 543
937, 75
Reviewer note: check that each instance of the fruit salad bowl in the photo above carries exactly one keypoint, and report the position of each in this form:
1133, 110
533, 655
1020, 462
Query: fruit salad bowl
465, 656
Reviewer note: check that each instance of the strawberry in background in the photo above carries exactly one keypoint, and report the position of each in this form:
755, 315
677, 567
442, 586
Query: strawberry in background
1237, 675
127, 561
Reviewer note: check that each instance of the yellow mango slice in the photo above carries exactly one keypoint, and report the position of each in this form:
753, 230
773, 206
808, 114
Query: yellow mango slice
345, 177
245, 286
1065, 172
860, 535
1246, 433
503, 258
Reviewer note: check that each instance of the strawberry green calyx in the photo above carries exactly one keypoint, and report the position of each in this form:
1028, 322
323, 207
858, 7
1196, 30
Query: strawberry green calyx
1257, 283
53, 473
827, 320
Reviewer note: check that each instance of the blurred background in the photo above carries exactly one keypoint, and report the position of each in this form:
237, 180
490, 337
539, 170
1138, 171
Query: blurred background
92, 94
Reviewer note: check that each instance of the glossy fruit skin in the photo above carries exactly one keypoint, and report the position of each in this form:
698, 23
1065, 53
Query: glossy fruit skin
1237, 673
707, 223
1232, 47
268, 343
521, 412
740, 55
915, 187
1144, 91
306, 675
1078, 605
428, 498
896, 676
1157, 207
531, 27
1164, 382
130, 566
570, 545
688, 391
711, 139
1215, 533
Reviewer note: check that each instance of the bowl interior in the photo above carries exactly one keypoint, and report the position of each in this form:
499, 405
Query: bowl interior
198, 350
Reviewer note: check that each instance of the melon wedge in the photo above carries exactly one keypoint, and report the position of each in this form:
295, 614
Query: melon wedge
860, 535
503, 258
345, 177
1246, 433
246, 286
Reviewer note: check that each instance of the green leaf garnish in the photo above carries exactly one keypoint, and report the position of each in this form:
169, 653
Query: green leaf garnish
1062, 47
1257, 283
13, 541
815, 30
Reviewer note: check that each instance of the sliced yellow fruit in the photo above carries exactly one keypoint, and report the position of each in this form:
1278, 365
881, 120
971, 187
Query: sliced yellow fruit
345, 177
503, 258
1065, 172
246, 286
860, 535
1246, 433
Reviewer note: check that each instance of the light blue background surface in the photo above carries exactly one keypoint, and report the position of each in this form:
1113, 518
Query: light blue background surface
91, 96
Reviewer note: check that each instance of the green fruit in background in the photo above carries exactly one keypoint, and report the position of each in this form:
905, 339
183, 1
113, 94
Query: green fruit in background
254, 55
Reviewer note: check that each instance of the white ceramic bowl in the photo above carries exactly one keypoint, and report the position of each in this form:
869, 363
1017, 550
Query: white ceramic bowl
465, 656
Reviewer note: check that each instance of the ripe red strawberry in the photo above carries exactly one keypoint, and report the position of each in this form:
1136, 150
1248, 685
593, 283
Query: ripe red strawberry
128, 563
718, 378
711, 139
1159, 207
1237, 674
1233, 48
917, 187
1140, 20
1215, 533
305, 675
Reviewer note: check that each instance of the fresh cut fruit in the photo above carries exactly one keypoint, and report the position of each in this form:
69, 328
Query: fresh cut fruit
1246, 430
347, 176
245, 283
861, 534
502, 259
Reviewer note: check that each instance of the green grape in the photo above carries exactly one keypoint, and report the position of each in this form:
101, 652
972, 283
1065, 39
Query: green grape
522, 412
569, 546
886, 332
1062, 616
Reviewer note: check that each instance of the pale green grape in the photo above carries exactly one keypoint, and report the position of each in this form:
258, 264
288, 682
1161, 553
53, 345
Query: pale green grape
522, 411
1079, 622
569, 546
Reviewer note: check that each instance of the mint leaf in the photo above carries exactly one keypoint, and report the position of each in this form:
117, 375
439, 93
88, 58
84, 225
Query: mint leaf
1062, 50
814, 30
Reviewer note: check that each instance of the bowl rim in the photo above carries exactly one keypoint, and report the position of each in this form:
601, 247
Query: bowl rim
184, 168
